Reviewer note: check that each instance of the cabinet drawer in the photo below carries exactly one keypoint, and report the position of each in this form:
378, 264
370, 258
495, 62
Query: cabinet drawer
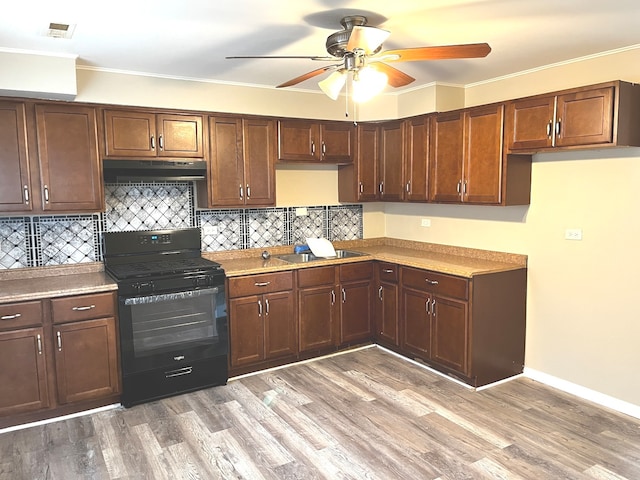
356, 271
388, 272
82, 307
18, 315
310, 277
438, 283
259, 284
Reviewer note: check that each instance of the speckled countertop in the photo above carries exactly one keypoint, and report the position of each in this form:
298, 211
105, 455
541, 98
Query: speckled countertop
464, 262
49, 282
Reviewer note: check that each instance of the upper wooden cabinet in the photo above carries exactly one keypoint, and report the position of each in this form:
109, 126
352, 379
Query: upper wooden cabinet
599, 115
309, 141
391, 163
15, 182
133, 134
467, 161
69, 164
49, 158
242, 162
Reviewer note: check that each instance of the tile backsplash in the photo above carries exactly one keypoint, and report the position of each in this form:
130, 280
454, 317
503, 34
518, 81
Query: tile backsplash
71, 239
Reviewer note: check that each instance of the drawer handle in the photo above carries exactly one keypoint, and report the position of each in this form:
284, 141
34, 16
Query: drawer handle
431, 282
82, 309
11, 317
39, 339
387, 270
262, 284
179, 372
59, 341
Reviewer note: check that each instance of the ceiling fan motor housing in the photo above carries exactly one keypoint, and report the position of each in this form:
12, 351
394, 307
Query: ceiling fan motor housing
337, 42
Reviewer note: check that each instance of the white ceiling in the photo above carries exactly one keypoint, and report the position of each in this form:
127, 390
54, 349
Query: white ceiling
190, 38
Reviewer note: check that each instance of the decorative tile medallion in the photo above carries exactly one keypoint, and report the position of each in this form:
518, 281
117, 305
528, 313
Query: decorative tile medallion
267, 227
221, 230
14, 243
67, 240
148, 206
313, 225
345, 222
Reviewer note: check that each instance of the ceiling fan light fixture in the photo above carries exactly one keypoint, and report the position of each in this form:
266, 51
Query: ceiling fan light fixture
367, 83
332, 85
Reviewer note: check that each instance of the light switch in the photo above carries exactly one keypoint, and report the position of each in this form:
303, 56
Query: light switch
425, 222
301, 212
573, 234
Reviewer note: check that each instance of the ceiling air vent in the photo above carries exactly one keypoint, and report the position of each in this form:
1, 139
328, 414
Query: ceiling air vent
60, 30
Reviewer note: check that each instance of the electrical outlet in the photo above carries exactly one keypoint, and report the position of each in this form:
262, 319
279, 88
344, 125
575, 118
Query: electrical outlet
573, 234
301, 212
425, 222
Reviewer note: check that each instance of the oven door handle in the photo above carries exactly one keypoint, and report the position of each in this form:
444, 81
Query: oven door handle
179, 372
163, 297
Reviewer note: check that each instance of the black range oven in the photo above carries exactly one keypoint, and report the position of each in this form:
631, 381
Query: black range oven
172, 313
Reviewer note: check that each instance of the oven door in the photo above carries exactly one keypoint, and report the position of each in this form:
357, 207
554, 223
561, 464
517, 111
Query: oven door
172, 329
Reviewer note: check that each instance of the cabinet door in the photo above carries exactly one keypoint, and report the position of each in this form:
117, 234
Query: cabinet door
130, 134
259, 161
279, 323
86, 360
68, 155
529, 123
246, 330
450, 333
180, 136
316, 310
585, 118
355, 312
297, 141
23, 376
386, 311
482, 170
336, 144
367, 162
392, 152
446, 156
416, 336
417, 160
227, 166
15, 184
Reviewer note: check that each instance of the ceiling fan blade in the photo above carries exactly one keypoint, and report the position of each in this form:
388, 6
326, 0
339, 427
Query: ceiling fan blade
395, 76
297, 57
308, 75
368, 39
471, 50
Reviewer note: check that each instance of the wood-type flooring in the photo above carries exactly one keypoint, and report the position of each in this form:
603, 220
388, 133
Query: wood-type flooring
366, 414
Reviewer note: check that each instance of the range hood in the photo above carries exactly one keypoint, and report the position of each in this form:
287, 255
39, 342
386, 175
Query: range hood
153, 170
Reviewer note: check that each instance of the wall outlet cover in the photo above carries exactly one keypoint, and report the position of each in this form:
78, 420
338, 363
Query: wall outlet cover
301, 212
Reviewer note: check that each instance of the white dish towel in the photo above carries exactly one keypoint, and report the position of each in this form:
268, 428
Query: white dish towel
321, 247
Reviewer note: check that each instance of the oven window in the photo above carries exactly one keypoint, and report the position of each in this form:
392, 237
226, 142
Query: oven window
162, 322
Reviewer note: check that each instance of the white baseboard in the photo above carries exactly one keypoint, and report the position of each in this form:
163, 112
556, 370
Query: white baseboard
57, 419
583, 392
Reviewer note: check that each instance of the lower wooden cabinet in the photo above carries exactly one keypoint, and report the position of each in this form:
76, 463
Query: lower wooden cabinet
57, 363
386, 306
472, 328
317, 315
261, 319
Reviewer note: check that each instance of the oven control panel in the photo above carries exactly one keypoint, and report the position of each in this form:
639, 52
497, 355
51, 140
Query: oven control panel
154, 239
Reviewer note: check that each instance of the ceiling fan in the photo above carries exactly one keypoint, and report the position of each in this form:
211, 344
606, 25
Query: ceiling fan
358, 47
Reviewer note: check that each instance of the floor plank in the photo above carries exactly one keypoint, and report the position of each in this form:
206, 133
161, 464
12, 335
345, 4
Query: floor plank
366, 414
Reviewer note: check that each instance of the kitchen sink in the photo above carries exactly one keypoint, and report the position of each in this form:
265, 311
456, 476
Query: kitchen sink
310, 257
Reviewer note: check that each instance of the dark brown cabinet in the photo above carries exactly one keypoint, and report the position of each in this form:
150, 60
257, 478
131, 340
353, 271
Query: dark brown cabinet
466, 156
391, 163
23, 380
310, 141
49, 158
70, 170
317, 313
392, 154
355, 302
63, 355
242, 162
148, 134
386, 309
15, 182
85, 347
598, 115
261, 318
